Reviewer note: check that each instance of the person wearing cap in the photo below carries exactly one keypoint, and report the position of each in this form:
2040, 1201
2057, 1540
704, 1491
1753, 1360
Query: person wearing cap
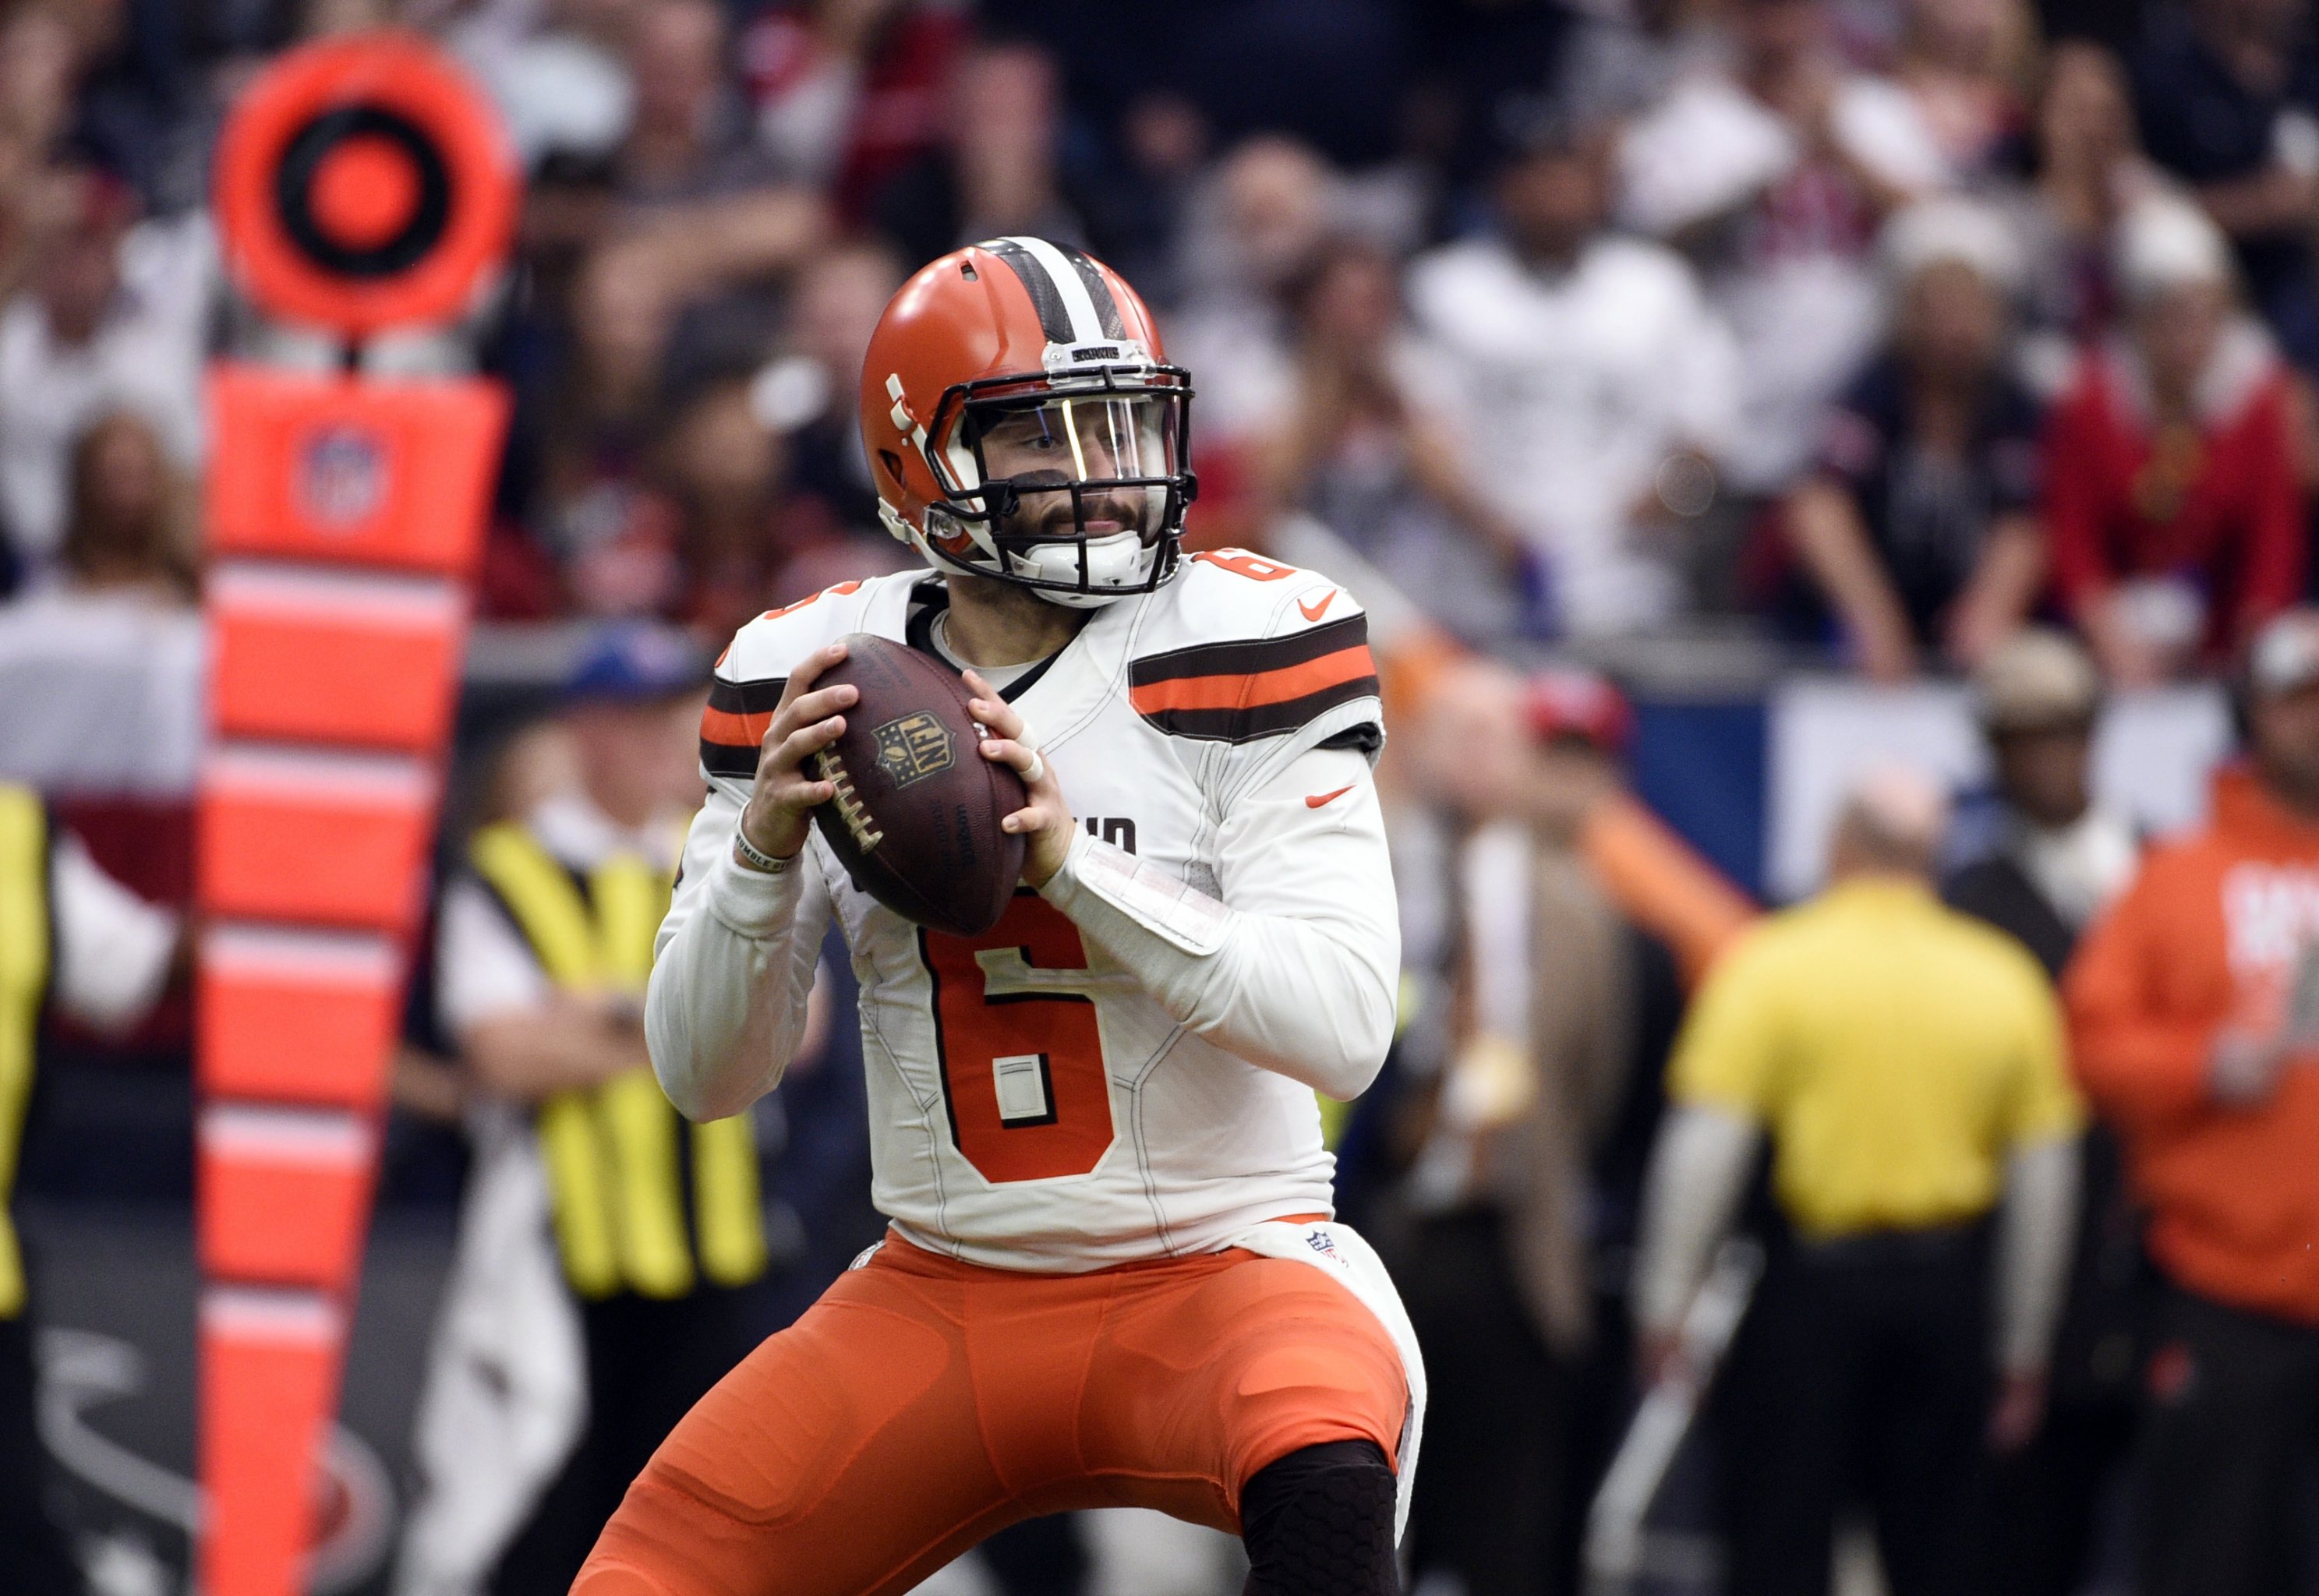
2194, 1008
1596, 391
2172, 502
1570, 915
606, 1248
1905, 1064
2056, 857
1917, 523
2051, 859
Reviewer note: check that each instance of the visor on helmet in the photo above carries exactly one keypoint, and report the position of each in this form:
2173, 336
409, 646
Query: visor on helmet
1070, 465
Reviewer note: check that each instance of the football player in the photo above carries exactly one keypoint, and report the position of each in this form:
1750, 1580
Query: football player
1111, 1276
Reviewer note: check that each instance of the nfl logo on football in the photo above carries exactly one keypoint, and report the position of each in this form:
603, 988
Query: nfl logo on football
912, 748
341, 476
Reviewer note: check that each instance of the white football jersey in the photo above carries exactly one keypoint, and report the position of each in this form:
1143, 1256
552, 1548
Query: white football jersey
1033, 1100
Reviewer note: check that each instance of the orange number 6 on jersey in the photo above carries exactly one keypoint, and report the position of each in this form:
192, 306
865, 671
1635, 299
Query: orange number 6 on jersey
1022, 1066
1255, 567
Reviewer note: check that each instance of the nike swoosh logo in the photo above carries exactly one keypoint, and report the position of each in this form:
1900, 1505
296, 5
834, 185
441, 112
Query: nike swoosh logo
1318, 799
1315, 611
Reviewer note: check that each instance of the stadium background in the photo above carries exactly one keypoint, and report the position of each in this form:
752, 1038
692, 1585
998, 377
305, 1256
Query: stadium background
718, 198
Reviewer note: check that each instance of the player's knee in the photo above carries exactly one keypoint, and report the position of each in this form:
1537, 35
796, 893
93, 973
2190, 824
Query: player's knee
1319, 1522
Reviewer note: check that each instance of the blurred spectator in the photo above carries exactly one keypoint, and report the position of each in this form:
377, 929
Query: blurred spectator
2055, 860
1906, 1065
605, 1247
848, 92
2228, 95
1620, 60
614, 537
1919, 523
2088, 170
811, 392
1596, 391
2172, 502
1963, 64
73, 940
722, 469
101, 655
115, 317
1370, 447
1777, 174
557, 72
1544, 1055
2196, 1013
1252, 229
1497, 1276
1137, 212
685, 187
997, 171
126, 531
39, 62
686, 136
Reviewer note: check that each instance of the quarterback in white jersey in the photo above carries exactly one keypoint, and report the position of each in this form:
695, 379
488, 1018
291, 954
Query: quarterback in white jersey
1111, 1276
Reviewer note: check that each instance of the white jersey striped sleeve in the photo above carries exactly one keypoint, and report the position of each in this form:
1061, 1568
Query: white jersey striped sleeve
1293, 968
733, 967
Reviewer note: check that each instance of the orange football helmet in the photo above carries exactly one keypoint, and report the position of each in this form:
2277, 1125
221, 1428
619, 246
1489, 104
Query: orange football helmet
1023, 424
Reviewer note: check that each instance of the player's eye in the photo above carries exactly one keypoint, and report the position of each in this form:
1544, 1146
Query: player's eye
1032, 433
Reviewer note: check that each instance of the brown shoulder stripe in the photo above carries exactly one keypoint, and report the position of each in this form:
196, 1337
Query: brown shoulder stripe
735, 723
1235, 692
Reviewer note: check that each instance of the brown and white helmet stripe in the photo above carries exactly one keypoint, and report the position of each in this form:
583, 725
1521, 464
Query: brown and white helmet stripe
1075, 304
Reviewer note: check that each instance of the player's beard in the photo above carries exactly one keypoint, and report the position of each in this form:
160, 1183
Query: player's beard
1045, 513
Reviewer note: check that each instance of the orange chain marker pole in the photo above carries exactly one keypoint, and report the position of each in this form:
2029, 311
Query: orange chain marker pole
362, 186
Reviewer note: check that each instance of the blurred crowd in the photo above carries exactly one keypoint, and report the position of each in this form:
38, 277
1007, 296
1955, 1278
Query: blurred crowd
1873, 329
1912, 339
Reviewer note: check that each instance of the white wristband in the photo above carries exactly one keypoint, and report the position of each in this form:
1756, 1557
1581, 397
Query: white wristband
749, 856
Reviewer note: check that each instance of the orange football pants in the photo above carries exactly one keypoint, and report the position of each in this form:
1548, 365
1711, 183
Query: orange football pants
923, 1404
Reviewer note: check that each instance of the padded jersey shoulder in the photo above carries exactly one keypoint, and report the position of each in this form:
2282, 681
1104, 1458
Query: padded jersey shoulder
755, 668
1240, 648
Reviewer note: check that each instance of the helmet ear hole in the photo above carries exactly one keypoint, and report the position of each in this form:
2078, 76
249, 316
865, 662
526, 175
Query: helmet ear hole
893, 465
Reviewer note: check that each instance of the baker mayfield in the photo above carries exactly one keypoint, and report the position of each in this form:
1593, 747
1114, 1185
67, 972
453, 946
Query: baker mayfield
1111, 1277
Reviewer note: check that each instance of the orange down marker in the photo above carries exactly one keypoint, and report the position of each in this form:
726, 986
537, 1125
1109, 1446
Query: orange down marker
363, 184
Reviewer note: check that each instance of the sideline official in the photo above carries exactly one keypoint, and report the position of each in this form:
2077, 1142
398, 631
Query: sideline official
1905, 1064
604, 1243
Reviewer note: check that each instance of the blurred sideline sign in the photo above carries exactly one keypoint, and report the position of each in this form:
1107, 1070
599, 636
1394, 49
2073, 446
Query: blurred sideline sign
362, 187
2152, 754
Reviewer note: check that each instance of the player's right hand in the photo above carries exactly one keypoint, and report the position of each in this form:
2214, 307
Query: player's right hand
806, 721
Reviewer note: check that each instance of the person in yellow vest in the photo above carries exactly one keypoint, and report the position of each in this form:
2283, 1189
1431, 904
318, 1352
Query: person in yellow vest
606, 1245
1905, 1066
74, 940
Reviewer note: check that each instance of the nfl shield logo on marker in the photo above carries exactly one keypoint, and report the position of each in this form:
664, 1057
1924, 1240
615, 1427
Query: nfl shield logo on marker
342, 475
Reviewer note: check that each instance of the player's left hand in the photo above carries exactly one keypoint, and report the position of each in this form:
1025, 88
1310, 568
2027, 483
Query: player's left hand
1045, 823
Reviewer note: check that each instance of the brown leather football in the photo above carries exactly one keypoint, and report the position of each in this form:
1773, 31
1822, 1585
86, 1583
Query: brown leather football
916, 818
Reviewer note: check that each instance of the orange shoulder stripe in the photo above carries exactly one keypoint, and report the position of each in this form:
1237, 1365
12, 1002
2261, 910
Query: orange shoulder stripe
1242, 690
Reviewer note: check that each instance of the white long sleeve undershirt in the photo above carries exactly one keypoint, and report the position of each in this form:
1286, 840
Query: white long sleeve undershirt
1293, 968
1699, 1173
2035, 1234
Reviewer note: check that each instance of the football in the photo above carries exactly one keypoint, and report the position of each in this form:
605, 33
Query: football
916, 818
